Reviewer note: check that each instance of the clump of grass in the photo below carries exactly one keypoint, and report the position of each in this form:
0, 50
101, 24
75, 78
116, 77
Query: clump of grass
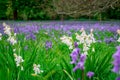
55, 62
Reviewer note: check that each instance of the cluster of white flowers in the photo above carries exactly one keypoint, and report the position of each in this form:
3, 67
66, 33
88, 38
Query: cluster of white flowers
7, 29
0, 36
68, 41
118, 39
85, 39
118, 31
11, 37
81, 38
19, 60
36, 69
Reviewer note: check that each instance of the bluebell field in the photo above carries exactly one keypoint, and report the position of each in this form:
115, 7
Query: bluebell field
86, 50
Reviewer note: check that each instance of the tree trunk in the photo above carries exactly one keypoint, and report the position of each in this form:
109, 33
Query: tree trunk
62, 17
100, 17
15, 14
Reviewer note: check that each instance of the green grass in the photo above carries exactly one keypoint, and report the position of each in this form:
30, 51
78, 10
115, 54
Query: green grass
55, 62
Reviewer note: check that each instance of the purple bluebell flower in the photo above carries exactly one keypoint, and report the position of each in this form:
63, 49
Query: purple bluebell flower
48, 45
69, 33
16, 30
26, 47
99, 41
75, 44
109, 40
90, 74
31, 36
74, 55
82, 58
28, 30
118, 78
78, 59
78, 78
35, 26
80, 65
116, 61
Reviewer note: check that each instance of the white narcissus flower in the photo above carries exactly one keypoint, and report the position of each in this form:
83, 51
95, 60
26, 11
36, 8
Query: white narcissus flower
12, 40
11, 37
91, 36
22, 68
118, 31
85, 48
68, 41
4, 24
93, 49
80, 38
86, 53
70, 47
0, 36
46, 33
7, 29
83, 34
19, 60
36, 69
118, 39
85, 39
14, 50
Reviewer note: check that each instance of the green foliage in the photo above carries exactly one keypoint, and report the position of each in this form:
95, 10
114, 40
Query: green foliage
100, 60
114, 13
45, 10
55, 62
3, 9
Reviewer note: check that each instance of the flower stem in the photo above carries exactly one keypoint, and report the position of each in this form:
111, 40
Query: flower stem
82, 74
18, 75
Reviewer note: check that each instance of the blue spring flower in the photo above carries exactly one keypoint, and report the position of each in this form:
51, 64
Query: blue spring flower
90, 74
48, 45
78, 59
116, 61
